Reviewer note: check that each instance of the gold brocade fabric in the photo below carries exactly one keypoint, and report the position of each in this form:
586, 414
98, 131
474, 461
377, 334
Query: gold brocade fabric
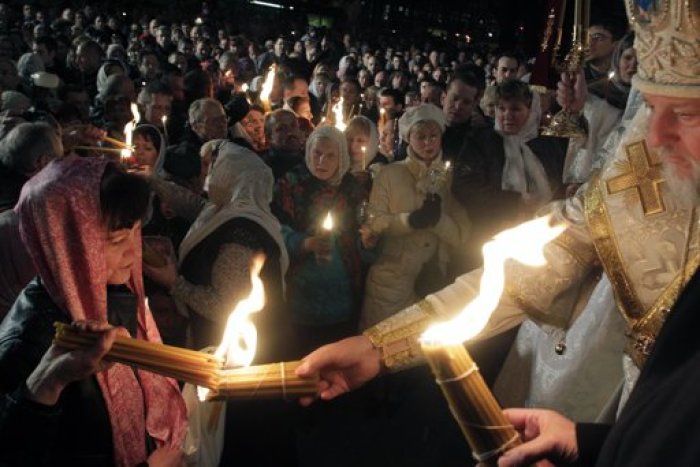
646, 241
397, 337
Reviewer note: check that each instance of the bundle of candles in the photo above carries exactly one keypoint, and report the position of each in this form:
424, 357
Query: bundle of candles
202, 369
474, 407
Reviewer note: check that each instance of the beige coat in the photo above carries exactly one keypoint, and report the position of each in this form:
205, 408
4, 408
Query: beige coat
398, 190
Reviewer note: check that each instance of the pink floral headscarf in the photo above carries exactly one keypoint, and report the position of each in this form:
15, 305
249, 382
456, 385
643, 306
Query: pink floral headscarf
61, 225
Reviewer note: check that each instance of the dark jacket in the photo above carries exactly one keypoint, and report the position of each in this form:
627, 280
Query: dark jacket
76, 431
11, 184
477, 185
660, 423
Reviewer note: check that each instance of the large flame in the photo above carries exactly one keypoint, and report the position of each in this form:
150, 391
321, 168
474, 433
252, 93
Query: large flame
266, 89
338, 112
129, 131
241, 337
525, 244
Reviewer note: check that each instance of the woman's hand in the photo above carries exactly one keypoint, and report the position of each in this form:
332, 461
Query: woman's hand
164, 275
60, 367
342, 366
166, 457
319, 245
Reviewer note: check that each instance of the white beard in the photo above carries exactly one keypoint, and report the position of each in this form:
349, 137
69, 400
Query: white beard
685, 188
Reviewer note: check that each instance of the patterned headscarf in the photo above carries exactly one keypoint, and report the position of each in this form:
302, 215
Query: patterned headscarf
61, 225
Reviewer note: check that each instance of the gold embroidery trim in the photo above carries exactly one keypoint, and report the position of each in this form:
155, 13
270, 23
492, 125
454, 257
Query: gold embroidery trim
603, 237
643, 332
399, 344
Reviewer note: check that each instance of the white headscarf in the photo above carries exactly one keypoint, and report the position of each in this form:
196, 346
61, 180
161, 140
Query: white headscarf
338, 137
240, 185
523, 172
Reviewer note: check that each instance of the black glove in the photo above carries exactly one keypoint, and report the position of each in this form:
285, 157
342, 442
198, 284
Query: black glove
427, 215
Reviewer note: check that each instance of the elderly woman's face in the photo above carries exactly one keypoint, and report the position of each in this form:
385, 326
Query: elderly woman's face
512, 115
425, 139
325, 158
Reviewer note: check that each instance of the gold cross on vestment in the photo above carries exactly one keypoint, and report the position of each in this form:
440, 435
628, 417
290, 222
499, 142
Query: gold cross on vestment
644, 176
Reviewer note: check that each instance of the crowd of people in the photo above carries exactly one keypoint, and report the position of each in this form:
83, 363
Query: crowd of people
368, 175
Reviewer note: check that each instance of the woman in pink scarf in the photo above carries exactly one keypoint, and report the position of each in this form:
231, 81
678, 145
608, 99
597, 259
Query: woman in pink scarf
80, 221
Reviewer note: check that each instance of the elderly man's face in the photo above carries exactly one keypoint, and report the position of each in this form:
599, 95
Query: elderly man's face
507, 68
674, 129
284, 132
213, 123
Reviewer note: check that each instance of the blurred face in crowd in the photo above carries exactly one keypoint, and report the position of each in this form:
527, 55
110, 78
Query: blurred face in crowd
439, 75
601, 44
357, 140
425, 139
507, 68
149, 67
321, 83
212, 123
284, 132
144, 150
280, 47
254, 125
391, 107
430, 94
163, 36
8, 76
674, 130
365, 78
386, 140
372, 65
512, 115
459, 102
202, 50
399, 81
628, 65
303, 109
46, 55
120, 253
299, 88
87, 58
381, 79
158, 108
325, 158
350, 94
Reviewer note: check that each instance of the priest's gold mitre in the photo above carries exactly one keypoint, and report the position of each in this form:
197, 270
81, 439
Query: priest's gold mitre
667, 42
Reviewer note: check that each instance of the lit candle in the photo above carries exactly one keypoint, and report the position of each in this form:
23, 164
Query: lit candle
267, 88
338, 113
364, 157
164, 119
478, 414
127, 152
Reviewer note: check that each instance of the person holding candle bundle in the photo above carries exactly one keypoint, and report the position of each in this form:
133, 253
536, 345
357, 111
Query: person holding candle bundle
89, 266
620, 226
325, 278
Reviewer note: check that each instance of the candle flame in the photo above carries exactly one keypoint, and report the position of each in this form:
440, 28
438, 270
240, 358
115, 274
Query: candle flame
267, 85
244, 87
525, 244
129, 131
338, 112
240, 336
328, 222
